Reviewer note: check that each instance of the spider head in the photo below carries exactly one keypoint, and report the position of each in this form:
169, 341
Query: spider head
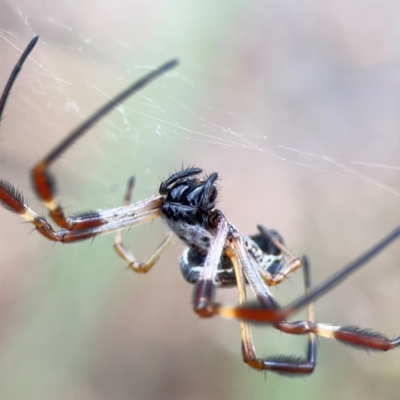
187, 197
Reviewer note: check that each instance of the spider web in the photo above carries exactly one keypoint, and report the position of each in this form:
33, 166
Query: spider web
296, 106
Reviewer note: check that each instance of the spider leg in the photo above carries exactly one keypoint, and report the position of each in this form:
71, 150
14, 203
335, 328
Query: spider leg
7, 192
282, 363
351, 335
267, 250
250, 270
113, 219
355, 336
276, 277
126, 254
149, 262
15, 72
205, 288
343, 273
227, 240
43, 181
13, 200
87, 224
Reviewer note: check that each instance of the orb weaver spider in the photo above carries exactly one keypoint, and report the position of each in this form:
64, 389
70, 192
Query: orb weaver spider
217, 255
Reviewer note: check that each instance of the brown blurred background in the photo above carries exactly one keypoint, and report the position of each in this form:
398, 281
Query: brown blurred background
295, 104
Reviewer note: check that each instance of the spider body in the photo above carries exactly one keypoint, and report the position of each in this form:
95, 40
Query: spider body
217, 255
260, 248
188, 208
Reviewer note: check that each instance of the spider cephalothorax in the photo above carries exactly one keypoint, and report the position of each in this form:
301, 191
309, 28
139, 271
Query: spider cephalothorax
188, 205
217, 255
187, 198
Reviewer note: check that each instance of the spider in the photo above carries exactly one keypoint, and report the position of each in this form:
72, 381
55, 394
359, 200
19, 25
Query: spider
216, 254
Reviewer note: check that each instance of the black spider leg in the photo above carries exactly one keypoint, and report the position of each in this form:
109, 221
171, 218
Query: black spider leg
342, 274
15, 72
292, 365
227, 241
42, 179
351, 335
282, 364
87, 225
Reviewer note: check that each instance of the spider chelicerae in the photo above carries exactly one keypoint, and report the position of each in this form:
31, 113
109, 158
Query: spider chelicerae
217, 255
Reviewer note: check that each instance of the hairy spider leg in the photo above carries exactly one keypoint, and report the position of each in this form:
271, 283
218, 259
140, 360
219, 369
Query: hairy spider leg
352, 335
86, 225
261, 246
15, 72
226, 237
205, 288
42, 179
117, 218
228, 241
283, 364
126, 254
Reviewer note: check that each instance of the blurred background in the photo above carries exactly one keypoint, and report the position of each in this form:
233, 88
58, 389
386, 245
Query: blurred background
295, 104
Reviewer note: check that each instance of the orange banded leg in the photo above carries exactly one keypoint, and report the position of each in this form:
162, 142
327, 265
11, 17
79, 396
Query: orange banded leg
85, 225
115, 219
13, 200
248, 349
204, 304
282, 364
126, 254
351, 335
43, 181
292, 365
